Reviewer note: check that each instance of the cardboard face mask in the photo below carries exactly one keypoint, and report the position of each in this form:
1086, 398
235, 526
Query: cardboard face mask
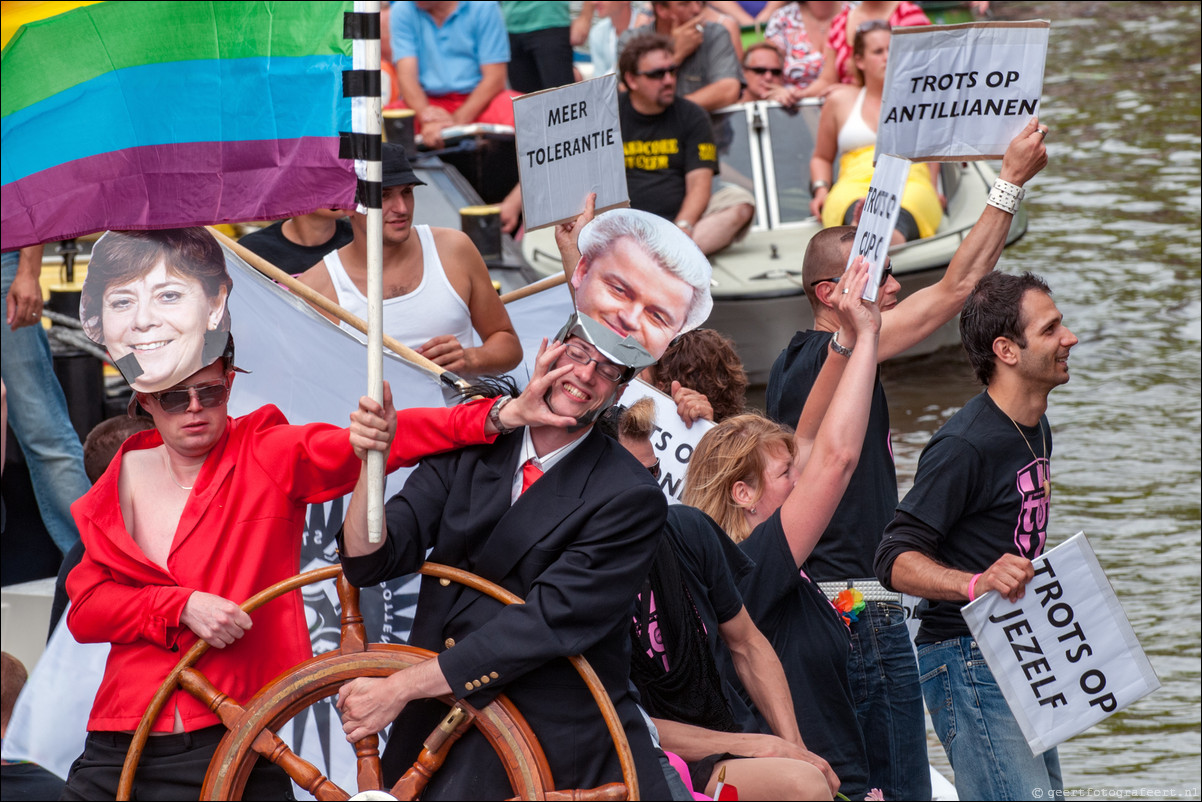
157, 302
641, 276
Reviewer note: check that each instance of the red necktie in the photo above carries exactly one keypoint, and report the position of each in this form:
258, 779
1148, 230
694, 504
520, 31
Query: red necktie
530, 474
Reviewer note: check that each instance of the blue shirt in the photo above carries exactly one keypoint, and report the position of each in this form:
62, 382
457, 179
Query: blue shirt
449, 57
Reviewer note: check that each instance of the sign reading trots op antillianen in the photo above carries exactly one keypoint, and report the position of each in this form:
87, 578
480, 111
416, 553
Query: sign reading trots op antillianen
878, 218
961, 92
1065, 655
569, 143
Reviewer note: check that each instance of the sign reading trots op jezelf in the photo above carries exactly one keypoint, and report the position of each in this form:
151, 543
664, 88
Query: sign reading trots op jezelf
569, 143
1064, 655
961, 92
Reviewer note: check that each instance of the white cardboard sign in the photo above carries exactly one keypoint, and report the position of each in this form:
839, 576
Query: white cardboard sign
569, 143
961, 92
673, 440
1065, 655
879, 217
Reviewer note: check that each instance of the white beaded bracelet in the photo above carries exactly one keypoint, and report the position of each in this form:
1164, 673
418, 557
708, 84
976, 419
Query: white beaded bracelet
1006, 196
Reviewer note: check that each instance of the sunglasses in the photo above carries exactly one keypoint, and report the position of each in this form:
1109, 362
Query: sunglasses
885, 274
605, 369
658, 74
773, 71
654, 468
873, 25
178, 399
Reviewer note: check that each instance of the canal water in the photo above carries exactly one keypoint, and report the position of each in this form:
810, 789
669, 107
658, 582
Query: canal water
1115, 229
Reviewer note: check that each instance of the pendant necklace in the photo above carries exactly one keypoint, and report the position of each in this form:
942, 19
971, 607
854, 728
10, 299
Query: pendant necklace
1047, 482
171, 473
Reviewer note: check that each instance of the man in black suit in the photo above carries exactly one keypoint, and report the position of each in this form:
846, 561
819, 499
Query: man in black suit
575, 543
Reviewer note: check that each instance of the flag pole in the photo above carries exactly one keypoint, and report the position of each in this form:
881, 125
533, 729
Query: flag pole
375, 259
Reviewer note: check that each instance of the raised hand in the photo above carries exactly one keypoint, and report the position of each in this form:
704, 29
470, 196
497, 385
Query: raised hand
530, 408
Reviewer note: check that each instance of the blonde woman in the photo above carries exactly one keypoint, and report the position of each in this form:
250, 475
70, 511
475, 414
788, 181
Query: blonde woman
774, 493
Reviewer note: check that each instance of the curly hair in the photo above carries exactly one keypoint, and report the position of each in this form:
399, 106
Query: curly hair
735, 450
707, 362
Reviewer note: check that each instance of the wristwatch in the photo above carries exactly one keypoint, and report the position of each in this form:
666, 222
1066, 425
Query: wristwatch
817, 185
841, 350
494, 415
684, 225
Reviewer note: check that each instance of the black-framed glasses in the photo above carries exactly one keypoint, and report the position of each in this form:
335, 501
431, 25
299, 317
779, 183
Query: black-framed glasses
659, 73
885, 274
178, 399
773, 71
605, 369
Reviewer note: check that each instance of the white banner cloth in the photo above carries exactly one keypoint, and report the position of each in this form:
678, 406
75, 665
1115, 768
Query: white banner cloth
1065, 655
961, 92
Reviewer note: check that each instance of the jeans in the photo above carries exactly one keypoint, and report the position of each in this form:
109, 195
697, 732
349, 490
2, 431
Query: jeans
37, 413
884, 681
984, 744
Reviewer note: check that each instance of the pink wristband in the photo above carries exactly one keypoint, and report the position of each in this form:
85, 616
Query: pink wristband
972, 587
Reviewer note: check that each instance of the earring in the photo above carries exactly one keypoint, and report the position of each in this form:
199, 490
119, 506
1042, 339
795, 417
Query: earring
752, 510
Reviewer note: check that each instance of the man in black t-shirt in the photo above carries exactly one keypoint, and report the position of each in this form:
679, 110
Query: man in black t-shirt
977, 516
296, 244
671, 158
881, 666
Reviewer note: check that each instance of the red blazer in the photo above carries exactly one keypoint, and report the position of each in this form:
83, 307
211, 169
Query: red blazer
240, 532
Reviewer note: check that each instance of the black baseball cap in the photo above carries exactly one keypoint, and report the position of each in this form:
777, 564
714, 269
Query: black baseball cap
396, 169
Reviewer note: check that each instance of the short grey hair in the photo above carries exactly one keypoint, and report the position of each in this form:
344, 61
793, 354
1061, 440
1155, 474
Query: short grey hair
664, 242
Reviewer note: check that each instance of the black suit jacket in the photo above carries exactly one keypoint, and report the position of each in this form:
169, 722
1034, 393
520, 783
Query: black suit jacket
576, 546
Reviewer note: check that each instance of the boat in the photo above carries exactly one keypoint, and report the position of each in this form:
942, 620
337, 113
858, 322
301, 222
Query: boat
759, 300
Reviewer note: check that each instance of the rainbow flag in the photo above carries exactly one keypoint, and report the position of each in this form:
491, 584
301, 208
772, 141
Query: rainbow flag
159, 115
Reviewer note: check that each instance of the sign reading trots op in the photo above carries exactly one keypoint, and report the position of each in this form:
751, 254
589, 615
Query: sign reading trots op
961, 92
1064, 655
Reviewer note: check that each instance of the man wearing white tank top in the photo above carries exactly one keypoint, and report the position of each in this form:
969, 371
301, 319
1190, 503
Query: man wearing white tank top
438, 297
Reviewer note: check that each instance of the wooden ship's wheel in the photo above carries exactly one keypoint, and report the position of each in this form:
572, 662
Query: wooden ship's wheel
252, 728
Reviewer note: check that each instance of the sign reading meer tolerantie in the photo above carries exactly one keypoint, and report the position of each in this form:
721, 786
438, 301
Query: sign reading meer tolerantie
961, 92
1065, 655
569, 143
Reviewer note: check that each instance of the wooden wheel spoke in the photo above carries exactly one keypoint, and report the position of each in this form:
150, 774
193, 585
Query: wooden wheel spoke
302, 772
367, 762
354, 634
434, 752
611, 792
218, 701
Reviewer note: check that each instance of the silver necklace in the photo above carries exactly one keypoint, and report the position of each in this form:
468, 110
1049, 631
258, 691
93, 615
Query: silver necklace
171, 473
1047, 482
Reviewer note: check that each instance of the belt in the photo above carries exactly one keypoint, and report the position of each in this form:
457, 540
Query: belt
870, 588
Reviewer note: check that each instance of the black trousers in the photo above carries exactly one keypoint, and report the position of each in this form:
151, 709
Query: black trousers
172, 768
540, 59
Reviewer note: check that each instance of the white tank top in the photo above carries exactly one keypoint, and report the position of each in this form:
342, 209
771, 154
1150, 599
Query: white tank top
855, 133
433, 309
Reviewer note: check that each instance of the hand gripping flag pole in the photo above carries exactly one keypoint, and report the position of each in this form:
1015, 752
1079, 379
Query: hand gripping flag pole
362, 85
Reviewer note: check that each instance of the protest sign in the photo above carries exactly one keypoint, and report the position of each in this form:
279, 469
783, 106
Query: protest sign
569, 143
878, 218
673, 440
961, 92
1065, 655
